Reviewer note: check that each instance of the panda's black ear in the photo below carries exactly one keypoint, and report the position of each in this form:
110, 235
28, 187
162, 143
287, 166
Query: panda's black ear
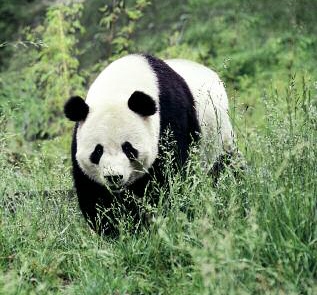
76, 109
142, 104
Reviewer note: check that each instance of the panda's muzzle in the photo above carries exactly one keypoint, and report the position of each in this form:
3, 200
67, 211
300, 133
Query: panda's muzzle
114, 180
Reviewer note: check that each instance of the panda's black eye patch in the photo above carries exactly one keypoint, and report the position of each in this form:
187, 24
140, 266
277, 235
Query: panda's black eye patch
130, 151
96, 154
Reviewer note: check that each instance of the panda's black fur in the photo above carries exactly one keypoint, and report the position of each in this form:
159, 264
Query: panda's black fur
177, 112
177, 107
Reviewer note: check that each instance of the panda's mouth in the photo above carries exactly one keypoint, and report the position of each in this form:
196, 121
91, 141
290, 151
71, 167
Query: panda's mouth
115, 187
117, 191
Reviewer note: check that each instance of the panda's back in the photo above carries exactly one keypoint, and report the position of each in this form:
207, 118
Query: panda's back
209, 95
201, 80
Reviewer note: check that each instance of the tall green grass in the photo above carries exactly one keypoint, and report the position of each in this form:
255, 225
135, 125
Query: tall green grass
252, 234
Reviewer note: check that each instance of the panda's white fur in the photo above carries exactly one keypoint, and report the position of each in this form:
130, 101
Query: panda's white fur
107, 100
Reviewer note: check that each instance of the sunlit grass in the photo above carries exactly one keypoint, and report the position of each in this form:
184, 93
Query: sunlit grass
255, 233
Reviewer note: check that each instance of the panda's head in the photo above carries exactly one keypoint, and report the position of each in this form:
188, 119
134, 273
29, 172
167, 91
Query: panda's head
117, 126
115, 146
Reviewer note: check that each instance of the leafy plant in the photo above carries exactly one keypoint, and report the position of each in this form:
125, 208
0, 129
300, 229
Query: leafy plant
120, 21
47, 74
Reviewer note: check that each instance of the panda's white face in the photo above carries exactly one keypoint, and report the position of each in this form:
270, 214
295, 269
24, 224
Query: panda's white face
116, 147
117, 141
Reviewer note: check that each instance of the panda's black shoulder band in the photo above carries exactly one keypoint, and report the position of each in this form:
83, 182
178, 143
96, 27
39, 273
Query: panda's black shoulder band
76, 109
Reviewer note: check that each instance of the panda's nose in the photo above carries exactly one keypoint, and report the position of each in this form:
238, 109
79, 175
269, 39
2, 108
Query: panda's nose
114, 179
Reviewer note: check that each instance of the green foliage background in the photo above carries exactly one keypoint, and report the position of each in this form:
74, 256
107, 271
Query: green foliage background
251, 235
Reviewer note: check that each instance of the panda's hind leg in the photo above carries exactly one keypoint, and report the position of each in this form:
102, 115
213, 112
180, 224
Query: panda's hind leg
231, 160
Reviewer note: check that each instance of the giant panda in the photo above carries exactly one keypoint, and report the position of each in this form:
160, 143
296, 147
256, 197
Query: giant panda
117, 140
